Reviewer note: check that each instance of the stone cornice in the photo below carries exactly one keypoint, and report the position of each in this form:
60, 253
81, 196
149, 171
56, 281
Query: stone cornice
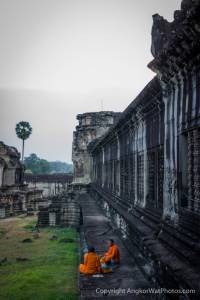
180, 50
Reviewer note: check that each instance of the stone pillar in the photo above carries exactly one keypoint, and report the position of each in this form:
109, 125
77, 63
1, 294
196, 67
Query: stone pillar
52, 219
93, 170
11, 205
1, 175
113, 175
170, 199
103, 167
136, 165
24, 203
145, 166
118, 164
194, 91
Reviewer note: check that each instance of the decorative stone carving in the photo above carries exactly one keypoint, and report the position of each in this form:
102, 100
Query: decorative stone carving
160, 34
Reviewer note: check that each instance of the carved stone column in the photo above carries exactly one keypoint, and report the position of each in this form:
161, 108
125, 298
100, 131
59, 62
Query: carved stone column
1, 175
118, 165
103, 167
170, 188
145, 165
136, 163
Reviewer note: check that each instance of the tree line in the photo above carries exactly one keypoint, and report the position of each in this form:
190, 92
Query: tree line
35, 165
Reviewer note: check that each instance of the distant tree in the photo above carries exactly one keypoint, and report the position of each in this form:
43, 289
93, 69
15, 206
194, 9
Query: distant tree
44, 167
32, 163
23, 130
37, 165
41, 166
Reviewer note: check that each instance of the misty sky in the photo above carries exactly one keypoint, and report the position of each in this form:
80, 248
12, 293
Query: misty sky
59, 58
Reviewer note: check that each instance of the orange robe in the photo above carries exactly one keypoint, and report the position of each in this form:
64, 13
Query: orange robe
113, 253
91, 264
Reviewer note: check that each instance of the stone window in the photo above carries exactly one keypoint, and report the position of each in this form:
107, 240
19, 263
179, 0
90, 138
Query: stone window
126, 176
189, 158
151, 178
155, 178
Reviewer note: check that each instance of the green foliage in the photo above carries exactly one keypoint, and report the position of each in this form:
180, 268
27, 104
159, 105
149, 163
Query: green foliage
37, 165
31, 225
41, 166
23, 130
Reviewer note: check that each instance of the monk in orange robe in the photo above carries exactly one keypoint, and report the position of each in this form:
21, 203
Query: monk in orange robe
91, 263
112, 255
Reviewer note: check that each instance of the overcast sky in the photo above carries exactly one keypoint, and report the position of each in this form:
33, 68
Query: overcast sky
59, 58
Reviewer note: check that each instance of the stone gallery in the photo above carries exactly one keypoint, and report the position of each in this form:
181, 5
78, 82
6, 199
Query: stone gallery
144, 170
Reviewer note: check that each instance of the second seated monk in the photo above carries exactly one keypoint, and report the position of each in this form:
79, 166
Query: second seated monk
112, 256
91, 263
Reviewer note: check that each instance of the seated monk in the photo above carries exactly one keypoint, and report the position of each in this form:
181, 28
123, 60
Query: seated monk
91, 263
112, 255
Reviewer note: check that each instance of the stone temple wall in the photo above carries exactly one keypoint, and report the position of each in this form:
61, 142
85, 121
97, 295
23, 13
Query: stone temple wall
91, 126
50, 184
146, 169
63, 211
15, 197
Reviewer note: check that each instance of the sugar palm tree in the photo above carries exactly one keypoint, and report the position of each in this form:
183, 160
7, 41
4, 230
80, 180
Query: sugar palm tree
23, 130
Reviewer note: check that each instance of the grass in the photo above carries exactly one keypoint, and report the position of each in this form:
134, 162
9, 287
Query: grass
2, 232
50, 271
31, 225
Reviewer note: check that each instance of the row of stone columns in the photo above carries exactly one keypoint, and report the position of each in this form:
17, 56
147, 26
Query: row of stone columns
128, 171
181, 115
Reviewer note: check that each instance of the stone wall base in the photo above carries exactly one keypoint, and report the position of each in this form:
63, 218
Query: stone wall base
166, 255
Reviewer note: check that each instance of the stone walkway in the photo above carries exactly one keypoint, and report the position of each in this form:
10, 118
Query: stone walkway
96, 229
